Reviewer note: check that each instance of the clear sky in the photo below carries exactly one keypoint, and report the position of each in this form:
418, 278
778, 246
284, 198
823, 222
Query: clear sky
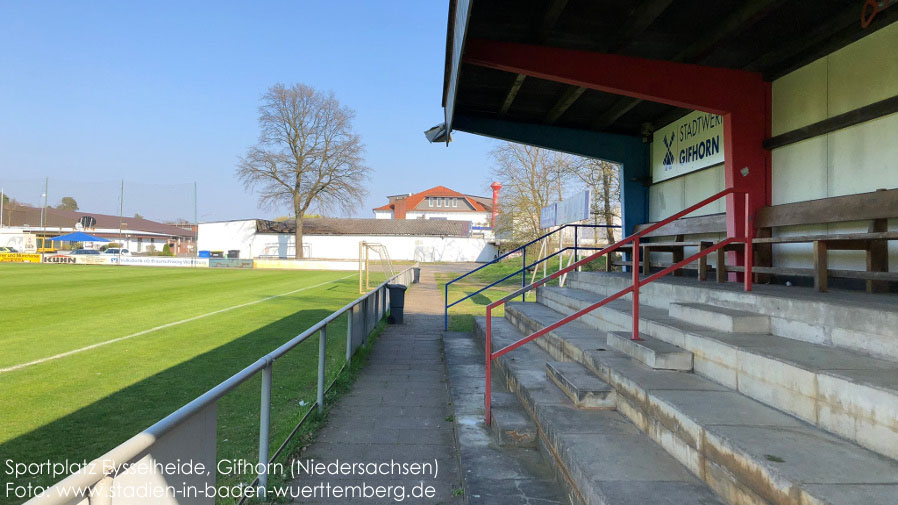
167, 93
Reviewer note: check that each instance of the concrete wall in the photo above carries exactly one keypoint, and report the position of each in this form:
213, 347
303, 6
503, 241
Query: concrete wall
853, 160
477, 218
241, 235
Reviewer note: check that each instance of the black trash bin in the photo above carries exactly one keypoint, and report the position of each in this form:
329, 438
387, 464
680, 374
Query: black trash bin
417, 275
397, 302
234, 253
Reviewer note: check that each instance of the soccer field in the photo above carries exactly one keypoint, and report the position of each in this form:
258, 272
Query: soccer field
93, 354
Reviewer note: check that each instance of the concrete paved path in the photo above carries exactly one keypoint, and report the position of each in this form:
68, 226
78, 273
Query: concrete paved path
398, 411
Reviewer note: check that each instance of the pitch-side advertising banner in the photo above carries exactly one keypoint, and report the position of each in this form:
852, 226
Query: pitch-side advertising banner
690, 143
19, 258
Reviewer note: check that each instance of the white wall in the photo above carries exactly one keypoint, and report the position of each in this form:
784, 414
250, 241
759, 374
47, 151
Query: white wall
241, 235
477, 218
852, 160
420, 248
227, 235
383, 214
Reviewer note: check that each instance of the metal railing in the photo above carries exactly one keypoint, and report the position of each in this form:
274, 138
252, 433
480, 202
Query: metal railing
524, 266
95, 480
633, 289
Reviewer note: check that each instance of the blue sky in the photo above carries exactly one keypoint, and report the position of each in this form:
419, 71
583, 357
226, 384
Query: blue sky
167, 93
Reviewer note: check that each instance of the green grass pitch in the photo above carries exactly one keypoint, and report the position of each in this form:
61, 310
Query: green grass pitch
78, 406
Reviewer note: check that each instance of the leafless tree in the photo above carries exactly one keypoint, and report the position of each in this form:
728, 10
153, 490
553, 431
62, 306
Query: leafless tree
308, 155
531, 179
603, 179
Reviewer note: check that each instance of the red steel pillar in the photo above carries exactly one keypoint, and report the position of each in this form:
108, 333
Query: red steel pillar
742, 98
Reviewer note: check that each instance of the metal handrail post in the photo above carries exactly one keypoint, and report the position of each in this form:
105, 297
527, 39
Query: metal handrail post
446, 307
524, 273
322, 353
635, 267
349, 334
264, 424
577, 244
749, 247
487, 397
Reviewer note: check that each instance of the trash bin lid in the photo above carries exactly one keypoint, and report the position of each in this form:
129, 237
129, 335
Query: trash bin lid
397, 286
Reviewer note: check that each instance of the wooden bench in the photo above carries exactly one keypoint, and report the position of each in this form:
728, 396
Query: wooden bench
874, 208
670, 238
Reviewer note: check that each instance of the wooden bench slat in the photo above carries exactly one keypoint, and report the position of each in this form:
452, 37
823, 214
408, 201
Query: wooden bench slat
827, 238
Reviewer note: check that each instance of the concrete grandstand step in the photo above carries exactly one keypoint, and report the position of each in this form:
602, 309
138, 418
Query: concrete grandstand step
511, 426
721, 318
600, 456
748, 452
580, 385
650, 351
844, 392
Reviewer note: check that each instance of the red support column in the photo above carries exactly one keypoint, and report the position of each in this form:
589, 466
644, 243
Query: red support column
742, 98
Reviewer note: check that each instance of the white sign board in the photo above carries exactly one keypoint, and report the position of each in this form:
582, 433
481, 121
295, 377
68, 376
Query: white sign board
571, 210
690, 143
548, 216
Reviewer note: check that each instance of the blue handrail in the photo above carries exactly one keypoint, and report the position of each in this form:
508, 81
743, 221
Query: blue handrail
524, 266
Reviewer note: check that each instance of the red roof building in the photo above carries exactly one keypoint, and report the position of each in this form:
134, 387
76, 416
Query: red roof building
438, 202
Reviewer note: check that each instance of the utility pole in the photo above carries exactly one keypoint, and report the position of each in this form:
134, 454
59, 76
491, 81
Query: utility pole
196, 224
2, 196
44, 207
121, 218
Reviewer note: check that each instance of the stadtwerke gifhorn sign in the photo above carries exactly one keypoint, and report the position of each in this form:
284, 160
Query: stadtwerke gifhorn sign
690, 143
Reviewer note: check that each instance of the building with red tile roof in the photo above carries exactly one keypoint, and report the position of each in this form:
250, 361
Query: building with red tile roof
438, 202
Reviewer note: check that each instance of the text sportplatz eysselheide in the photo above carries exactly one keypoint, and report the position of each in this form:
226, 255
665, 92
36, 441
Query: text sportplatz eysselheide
307, 478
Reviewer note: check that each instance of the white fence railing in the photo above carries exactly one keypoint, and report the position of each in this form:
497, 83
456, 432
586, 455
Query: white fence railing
189, 433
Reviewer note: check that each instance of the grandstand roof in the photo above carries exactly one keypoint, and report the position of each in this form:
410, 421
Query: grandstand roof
339, 226
21, 215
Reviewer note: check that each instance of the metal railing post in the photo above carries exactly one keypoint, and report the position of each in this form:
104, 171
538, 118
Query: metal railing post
365, 319
749, 248
446, 307
577, 245
635, 267
322, 354
349, 334
376, 306
487, 396
524, 272
264, 424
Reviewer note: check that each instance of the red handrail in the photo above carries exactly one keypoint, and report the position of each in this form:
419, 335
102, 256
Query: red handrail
633, 288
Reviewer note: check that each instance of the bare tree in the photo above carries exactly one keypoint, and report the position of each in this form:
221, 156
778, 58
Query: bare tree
308, 155
603, 179
531, 179
67, 203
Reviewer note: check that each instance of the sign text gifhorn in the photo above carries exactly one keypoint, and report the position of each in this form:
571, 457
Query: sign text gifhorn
693, 142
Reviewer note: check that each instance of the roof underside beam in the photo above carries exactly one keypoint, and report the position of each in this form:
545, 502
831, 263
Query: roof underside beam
748, 14
543, 31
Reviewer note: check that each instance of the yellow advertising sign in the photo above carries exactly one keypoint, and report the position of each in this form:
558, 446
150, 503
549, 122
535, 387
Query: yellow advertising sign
19, 258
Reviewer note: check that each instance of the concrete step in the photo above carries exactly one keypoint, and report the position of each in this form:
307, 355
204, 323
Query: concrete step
580, 385
599, 456
857, 321
748, 452
720, 318
844, 392
511, 426
650, 351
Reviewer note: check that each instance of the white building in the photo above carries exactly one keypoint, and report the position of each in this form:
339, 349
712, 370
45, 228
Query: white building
421, 240
441, 203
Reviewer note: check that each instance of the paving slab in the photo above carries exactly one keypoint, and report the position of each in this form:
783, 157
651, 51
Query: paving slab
399, 409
